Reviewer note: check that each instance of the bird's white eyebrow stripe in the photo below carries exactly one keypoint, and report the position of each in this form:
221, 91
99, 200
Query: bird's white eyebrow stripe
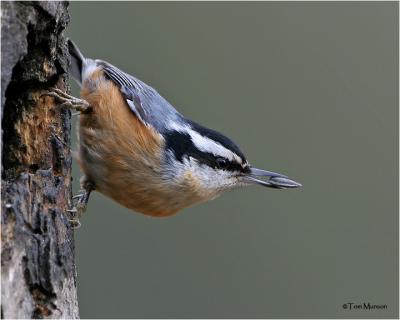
206, 144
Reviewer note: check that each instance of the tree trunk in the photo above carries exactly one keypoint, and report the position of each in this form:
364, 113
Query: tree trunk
37, 261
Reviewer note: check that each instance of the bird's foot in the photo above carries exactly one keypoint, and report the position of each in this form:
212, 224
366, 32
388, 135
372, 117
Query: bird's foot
68, 101
76, 212
82, 200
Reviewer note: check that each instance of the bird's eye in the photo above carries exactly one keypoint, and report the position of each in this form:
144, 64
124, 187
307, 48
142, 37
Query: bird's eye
222, 163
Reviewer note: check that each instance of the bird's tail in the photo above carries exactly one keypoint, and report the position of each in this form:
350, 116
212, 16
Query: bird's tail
78, 62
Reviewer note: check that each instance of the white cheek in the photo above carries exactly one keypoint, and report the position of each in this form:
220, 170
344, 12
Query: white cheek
208, 177
210, 180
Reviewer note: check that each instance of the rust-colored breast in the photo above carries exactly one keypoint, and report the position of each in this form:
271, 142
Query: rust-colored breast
122, 156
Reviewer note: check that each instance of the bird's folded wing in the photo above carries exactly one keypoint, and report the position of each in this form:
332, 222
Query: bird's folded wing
144, 101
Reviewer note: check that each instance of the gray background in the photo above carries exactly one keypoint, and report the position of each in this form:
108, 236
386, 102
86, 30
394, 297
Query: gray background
306, 89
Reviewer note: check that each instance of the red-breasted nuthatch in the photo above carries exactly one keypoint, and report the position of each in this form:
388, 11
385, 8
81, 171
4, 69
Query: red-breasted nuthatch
135, 148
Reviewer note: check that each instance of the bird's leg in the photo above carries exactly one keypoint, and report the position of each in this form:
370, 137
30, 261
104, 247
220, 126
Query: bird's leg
68, 101
82, 201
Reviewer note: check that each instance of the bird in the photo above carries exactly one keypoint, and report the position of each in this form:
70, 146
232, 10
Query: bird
137, 149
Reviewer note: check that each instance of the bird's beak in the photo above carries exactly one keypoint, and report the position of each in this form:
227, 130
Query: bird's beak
270, 179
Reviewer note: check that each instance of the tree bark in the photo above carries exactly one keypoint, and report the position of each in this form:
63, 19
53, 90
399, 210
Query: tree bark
37, 260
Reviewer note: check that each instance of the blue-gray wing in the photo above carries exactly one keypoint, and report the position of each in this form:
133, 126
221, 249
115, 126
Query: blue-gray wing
144, 101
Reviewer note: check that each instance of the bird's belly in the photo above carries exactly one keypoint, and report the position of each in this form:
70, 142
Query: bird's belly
135, 185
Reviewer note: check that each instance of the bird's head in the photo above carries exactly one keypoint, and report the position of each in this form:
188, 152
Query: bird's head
208, 163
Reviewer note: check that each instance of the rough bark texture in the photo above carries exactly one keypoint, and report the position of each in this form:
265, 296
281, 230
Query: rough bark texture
37, 259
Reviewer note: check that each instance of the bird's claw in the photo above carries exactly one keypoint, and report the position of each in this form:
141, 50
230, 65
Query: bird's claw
77, 211
80, 202
76, 224
68, 101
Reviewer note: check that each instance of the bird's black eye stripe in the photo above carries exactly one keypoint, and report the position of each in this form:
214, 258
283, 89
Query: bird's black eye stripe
226, 164
222, 163
181, 144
